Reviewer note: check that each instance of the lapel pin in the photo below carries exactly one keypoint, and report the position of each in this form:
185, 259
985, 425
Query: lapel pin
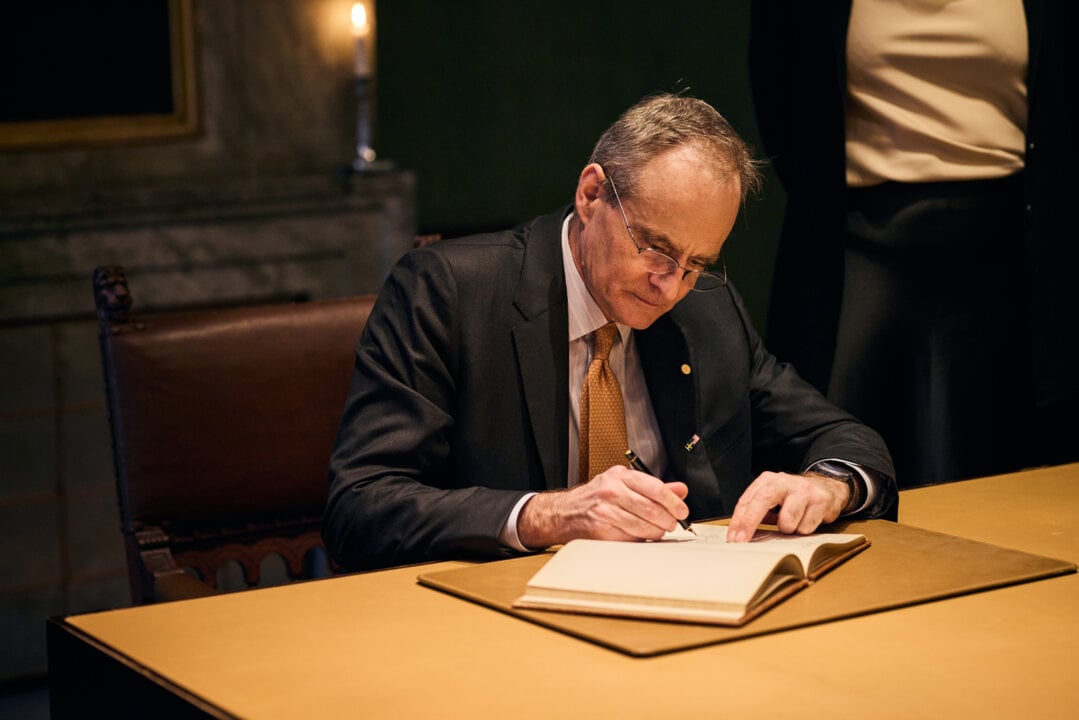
693, 442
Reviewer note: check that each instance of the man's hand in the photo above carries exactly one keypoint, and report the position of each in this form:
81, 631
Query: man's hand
618, 504
804, 501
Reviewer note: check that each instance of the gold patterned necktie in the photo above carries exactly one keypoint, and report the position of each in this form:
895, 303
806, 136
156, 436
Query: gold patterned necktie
603, 417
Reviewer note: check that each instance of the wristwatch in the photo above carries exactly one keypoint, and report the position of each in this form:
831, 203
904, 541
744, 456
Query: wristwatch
847, 474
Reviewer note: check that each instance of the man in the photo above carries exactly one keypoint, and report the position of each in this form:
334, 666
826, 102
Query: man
462, 434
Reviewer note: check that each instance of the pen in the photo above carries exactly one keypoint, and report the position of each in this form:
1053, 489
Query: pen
636, 464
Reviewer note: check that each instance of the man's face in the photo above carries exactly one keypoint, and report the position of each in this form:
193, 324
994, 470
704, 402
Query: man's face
677, 208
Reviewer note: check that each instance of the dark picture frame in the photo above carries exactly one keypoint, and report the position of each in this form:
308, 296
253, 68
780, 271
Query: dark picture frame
103, 73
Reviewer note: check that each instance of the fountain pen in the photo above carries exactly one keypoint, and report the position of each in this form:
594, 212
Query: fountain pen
636, 464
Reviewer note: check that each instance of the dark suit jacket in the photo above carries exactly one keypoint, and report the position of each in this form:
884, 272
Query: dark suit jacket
460, 402
798, 72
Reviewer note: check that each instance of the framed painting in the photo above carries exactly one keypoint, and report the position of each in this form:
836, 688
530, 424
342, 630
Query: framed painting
79, 73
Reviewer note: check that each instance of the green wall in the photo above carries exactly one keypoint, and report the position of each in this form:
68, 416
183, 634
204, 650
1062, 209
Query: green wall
495, 104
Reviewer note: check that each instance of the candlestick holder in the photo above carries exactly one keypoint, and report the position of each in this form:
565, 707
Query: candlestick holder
365, 154
365, 160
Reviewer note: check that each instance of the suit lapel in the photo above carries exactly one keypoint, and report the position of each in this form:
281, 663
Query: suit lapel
715, 373
541, 340
672, 386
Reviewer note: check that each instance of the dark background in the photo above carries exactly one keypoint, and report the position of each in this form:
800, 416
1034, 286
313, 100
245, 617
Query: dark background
496, 105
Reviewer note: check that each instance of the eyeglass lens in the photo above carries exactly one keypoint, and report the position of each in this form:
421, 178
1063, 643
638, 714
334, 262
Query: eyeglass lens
659, 263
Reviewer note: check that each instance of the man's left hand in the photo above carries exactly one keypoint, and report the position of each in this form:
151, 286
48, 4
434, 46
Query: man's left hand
804, 502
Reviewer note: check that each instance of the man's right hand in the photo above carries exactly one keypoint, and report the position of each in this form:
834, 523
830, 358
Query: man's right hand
618, 504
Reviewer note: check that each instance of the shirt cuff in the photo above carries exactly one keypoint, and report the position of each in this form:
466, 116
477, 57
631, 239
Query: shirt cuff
868, 477
508, 537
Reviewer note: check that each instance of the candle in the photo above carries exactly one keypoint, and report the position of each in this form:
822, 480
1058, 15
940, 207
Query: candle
360, 30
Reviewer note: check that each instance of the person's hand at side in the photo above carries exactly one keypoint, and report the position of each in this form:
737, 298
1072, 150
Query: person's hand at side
805, 502
618, 504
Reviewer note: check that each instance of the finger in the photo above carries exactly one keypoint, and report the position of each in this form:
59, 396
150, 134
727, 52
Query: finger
646, 484
678, 488
811, 502
613, 521
635, 527
668, 496
640, 494
816, 513
792, 513
756, 503
811, 520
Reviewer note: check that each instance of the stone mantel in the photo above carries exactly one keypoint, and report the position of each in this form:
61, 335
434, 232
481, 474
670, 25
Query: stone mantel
220, 242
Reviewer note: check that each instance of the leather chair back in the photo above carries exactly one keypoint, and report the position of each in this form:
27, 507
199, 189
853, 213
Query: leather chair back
222, 423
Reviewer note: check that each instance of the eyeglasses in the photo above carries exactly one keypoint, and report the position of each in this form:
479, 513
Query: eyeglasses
661, 264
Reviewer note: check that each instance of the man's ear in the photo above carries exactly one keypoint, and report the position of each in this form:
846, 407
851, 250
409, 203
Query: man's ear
590, 192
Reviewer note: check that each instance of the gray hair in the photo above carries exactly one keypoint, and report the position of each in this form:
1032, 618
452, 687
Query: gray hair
663, 122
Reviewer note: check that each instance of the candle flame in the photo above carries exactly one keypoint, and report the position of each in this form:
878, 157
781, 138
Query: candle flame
359, 19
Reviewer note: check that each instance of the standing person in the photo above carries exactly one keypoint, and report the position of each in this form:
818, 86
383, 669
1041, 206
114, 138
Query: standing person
501, 378
923, 278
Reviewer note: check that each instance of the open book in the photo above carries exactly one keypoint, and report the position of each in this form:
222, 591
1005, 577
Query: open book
684, 577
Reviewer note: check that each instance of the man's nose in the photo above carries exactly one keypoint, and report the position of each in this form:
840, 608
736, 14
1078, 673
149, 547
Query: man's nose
669, 284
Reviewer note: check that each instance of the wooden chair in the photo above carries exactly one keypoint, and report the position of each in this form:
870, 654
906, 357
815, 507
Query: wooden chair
222, 426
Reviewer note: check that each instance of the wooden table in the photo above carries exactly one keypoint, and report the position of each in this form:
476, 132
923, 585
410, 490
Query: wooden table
379, 645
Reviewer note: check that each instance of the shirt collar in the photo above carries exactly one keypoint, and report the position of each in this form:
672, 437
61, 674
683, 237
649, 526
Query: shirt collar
584, 314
